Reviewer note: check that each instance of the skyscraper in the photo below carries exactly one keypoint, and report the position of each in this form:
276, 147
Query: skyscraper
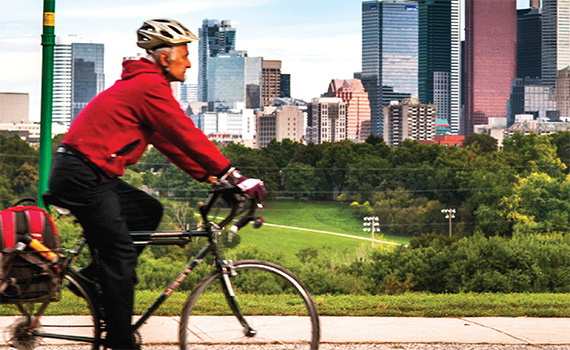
490, 59
555, 39
563, 93
78, 76
234, 77
215, 37
529, 96
271, 81
389, 54
285, 85
357, 107
529, 43
438, 57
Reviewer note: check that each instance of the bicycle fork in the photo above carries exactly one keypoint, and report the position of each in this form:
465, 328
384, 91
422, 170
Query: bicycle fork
227, 270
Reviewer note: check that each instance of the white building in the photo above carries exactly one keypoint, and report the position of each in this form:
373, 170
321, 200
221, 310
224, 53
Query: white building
326, 120
409, 119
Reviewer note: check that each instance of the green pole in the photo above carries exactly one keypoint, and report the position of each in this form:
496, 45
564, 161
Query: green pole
48, 47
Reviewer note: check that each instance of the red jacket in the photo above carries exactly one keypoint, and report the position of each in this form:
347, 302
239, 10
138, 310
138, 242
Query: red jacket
115, 128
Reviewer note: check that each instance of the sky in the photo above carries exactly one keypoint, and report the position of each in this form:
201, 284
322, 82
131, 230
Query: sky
316, 40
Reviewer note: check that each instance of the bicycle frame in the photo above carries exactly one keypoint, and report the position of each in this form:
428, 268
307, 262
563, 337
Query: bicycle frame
209, 230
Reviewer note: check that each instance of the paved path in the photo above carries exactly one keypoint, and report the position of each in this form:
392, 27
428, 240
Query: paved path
400, 330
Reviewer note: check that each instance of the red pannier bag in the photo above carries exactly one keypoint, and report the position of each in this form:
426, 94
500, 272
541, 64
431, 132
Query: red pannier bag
29, 255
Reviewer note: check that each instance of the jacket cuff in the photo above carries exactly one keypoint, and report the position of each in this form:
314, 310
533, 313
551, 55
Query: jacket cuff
223, 172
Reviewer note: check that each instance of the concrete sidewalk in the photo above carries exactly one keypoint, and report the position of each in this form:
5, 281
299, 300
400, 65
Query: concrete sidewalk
469, 330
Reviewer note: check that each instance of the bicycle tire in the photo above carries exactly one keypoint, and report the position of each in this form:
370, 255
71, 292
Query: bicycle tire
292, 322
89, 325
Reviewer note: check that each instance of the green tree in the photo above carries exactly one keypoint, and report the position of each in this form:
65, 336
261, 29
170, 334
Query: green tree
561, 140
309, 154
538, 203
299, 180
481, 143
532, 153
280, 152
332, 168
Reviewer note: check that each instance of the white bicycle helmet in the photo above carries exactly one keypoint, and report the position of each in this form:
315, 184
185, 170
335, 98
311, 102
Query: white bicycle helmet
163, 32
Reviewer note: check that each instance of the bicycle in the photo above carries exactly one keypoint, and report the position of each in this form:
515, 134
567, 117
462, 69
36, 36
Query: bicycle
242, 322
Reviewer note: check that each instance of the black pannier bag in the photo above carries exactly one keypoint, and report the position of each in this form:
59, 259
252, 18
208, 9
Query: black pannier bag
29, 259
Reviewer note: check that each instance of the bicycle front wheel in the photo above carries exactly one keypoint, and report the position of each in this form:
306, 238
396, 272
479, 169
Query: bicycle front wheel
275, 305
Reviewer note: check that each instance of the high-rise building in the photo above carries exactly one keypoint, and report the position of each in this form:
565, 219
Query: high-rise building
279, 124
215, 38
555, 39
389, 53
326, 120
529, 43
188, 92
357, 107
270, 81
234, 77
409, 119
14, 107
563, 93
438, 58
490, 59
78, 76
530, 96
285, 85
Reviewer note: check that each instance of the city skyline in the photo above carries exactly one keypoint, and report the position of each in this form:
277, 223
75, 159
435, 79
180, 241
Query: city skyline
316, 41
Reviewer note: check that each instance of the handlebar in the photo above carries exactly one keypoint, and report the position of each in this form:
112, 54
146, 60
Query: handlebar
234, 197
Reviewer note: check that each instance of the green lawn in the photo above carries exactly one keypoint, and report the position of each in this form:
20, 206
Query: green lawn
323, 216
320, 216
406, 305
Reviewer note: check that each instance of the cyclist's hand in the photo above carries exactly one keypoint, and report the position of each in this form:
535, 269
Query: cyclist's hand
252, 188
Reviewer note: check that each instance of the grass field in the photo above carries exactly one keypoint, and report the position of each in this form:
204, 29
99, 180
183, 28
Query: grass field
320, 216
405, 305
333, 217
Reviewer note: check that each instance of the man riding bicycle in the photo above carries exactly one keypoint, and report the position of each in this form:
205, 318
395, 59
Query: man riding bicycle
112, 132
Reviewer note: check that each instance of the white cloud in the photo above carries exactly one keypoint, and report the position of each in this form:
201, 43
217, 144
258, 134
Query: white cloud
312, 62
20, 74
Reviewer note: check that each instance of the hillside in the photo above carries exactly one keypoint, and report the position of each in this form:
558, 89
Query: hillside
330, 217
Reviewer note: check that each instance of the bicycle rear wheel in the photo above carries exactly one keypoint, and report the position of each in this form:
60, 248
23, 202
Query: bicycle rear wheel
85, 328
274, 303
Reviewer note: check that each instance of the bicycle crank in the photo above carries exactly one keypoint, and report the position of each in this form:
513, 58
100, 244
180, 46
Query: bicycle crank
21, 336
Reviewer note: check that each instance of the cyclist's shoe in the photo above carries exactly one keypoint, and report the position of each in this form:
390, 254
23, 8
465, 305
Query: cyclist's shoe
88, 281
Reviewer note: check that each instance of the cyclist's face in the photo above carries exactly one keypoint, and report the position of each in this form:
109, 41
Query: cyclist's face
179, 62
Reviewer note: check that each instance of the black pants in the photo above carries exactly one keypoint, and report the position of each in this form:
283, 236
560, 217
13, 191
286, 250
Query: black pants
107, 209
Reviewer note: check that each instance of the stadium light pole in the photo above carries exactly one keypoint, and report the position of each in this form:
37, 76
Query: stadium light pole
48, 48
449, 214
371, 224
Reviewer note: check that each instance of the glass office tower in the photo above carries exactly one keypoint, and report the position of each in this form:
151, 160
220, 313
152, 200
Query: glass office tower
78, 76
215, 38
490, 59
555, 39
389, 54
87, 74
438, 62
529, 43
233, 78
